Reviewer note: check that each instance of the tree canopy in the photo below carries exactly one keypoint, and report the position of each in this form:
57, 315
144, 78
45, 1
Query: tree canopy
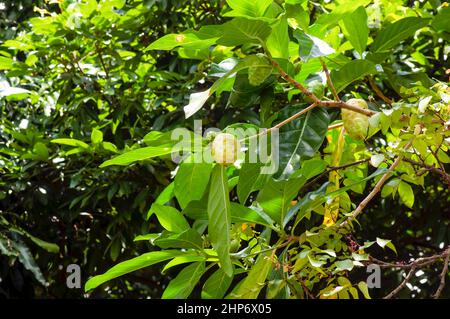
225, 149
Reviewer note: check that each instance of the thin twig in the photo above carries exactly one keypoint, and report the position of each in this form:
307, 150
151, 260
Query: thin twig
374, 192
282, 123
330, 83
378, 92
337, 125
394, 292
305, 91
438, 292
445, 175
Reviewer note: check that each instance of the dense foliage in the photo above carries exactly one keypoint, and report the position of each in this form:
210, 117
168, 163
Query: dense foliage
353, 94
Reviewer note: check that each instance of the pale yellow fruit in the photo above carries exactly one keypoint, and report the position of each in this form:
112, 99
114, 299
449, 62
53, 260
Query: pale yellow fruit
225, 149
356, 124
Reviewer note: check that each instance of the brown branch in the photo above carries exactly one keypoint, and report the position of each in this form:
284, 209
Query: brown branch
330, 83
344, 105
445, 176
374, 192
378, 92
394, 292
412, 266
337, 125
305, 91
438, 292
282, 123
293, 117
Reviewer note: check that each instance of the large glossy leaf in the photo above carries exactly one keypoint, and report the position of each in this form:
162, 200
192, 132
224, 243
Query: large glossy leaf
441, 20
131, 265
219, 217
350, 72
311, 46
252, 176
275, 198
250, 286
300, 139
278, 40
244, 31
187, 239
205, 37
138, 155
191, 182
169, 217
197, 210
26, 259
187, 258
250, 179
249, 8
217, 285
355, 29
182, 285
396, 32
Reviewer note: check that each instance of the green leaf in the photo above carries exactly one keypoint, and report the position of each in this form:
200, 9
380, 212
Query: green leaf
139, 154
182, 260
219, 217
300, 139
259, 69
355, 28
406, 194
394, 33
182, 285
250, 179
244, 31
312, 167
239, 213
5, 63
440, 21
311, 47
50, 247
278, 40
350, 72
196, 101
166, 195
217, 285
250, 8
27, 260
205, 37
386, 243
169, 217
191, 182
342, 265
131, 265
96, 136
243, 214
187, 239
250, 286
70, 142
14, 92
275, 198
364, 289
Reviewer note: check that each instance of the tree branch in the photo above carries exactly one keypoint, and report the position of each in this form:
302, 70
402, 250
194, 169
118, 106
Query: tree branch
378, 92
305, 91
394, 292
438, 292
330, 83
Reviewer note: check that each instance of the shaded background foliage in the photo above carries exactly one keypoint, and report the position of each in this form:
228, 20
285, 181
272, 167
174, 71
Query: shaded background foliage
91, 79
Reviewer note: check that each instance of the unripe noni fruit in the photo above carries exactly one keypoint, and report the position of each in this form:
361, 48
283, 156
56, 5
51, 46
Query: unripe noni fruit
356, 124
225, 149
